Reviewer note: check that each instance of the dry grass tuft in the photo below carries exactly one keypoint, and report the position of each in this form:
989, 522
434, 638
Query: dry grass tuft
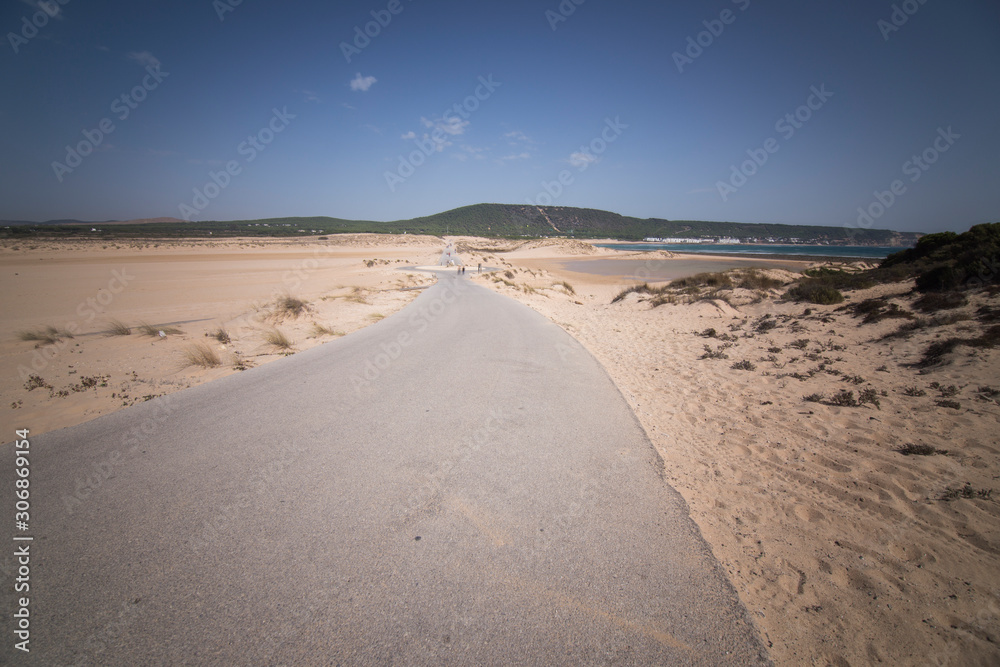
323, 330
566, 286
46, 336
118, 328
292, 307
278, 339
200, 354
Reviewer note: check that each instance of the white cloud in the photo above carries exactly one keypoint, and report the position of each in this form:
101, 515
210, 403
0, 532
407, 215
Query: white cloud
144, 58
310, 95
452, 125
409, 135
581, 160
348, 106
362, 83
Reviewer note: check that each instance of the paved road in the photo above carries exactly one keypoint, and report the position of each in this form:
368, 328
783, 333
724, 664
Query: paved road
458, 484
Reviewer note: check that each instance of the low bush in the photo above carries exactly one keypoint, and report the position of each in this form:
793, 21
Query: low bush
932, 302
815, 292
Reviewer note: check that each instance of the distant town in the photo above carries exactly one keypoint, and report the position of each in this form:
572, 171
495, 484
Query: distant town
728, 240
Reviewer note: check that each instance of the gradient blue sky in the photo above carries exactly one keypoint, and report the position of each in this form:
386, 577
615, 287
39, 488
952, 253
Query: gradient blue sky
558, 87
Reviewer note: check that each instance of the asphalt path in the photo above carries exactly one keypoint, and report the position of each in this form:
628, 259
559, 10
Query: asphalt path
458, 484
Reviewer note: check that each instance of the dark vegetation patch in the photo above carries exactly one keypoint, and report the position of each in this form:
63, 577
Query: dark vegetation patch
876, 310
933, 302
703, 286
909, 328
988, 314
845, 398
824, 285
950, 262
988, 393
815, 292
765, 323
700, 280
944, 265
937, 351
920, 450
753, 279
716, 354
967, 491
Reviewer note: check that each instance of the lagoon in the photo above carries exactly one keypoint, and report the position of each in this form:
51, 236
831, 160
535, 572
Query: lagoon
857, 252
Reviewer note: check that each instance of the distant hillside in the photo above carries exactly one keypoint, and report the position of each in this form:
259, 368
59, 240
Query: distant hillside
503, 220
518, 220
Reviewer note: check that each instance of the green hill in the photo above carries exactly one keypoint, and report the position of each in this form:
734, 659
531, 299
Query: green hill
496, 220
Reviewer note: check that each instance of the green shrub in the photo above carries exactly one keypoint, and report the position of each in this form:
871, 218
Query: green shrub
814, 292
948, 261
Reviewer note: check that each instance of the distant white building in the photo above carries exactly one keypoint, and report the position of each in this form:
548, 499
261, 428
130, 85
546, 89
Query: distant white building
652, 239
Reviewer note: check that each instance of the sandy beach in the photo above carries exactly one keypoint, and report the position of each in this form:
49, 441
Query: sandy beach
844, 549
191, 291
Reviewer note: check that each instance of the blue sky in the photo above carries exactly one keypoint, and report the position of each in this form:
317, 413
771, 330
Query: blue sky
649, 109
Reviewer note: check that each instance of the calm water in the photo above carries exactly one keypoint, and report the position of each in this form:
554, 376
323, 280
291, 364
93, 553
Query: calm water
867, 252
656, 270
